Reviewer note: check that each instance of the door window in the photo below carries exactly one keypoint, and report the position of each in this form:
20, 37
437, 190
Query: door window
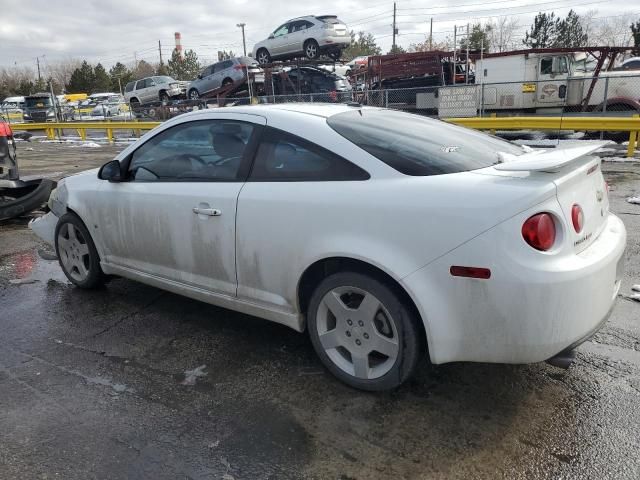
283, 30
546, 66
285, 157
204, 150
140, 85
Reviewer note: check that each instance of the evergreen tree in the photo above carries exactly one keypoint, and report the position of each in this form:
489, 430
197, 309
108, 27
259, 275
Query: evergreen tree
478, 38
543, 31
25, 87
186, 68
396, 49
365, 44
569, 32
101, 80
81, 80
119, 72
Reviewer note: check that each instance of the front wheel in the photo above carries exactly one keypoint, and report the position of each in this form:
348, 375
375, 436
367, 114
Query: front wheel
193, 94
164, 98
77, 253
363, 332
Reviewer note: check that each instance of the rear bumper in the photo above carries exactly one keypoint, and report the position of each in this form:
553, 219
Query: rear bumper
527, 311
335, 41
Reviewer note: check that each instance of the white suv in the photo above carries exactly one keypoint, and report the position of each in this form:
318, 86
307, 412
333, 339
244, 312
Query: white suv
311, 36
154, 89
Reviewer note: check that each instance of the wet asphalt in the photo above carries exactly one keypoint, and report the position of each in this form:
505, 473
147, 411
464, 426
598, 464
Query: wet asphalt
132, 382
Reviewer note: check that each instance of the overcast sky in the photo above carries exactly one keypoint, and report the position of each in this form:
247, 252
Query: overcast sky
121, 30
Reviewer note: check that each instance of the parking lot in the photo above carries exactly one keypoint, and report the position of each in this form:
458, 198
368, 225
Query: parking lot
131, 381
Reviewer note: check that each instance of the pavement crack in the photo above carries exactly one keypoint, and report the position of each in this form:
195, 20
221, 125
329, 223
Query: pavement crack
129, 315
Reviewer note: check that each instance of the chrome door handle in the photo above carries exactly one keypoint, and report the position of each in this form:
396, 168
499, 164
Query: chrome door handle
212, 212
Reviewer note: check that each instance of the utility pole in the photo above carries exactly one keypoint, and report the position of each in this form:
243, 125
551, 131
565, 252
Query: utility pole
160, 51
431, 34
244, 43
466, 70
38, 63
395, 30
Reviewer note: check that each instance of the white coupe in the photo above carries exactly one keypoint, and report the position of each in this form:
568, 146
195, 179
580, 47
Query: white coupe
385, 235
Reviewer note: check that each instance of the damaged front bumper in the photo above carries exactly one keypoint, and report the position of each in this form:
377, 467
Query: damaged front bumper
45, 227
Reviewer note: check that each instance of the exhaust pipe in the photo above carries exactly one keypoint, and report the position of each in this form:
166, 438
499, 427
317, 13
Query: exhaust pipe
564, 359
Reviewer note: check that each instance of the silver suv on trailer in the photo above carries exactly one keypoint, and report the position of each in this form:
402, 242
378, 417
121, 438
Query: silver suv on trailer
221, 74
154, 89
310, 36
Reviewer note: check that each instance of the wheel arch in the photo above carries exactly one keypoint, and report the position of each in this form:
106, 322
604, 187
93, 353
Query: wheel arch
320, 269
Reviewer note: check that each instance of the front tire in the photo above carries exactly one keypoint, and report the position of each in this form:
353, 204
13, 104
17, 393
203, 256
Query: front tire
194, 94
164, 97
363, 332
77, 253
311, 49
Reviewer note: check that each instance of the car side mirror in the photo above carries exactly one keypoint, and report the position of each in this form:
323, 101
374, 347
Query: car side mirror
272, 36
111, 171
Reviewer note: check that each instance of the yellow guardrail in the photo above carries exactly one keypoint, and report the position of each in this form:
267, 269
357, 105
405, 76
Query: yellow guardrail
595, 124
51, 128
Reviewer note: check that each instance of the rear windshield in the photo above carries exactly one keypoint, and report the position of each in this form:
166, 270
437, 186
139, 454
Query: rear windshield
419, 146
330, 19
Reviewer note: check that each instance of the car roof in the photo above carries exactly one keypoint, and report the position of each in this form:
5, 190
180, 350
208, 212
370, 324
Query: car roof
325, 110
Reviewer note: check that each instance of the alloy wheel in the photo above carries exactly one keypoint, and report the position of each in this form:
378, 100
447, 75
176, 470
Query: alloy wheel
73, 251
357, 332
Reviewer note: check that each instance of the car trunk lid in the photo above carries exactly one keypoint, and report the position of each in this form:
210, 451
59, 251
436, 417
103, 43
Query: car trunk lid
578, 179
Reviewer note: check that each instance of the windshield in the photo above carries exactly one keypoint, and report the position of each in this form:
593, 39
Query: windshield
38, 102
419, 146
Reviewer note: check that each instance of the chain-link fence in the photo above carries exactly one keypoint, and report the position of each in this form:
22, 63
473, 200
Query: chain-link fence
612, 93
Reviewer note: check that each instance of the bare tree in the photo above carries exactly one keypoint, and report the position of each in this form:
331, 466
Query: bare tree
502, 33
613, 31
426, 46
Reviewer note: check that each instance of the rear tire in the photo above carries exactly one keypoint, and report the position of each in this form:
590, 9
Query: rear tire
226, 82
263, 56
363, 332
77, 253
311, 49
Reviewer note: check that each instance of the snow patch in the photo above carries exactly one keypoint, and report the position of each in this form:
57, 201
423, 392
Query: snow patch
634, 200
190, 376
87, 145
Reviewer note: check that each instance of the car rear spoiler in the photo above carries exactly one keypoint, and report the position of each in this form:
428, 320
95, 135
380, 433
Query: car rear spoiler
545, 160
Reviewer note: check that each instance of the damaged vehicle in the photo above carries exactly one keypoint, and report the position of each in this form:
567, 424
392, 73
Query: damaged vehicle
386, 236
17, 197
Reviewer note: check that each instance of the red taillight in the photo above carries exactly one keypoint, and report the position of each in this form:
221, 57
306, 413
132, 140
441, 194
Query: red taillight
577, 217
239, 67
539, 231
5, 130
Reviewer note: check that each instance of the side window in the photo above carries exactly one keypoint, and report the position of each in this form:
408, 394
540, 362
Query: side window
203, 150
546, 66
306, 25
284, 157
207, 71
563, 67
129, 86
282, 30
216, 67
140, 85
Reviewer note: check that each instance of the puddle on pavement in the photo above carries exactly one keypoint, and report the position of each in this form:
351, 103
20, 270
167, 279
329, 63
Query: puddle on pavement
29, 267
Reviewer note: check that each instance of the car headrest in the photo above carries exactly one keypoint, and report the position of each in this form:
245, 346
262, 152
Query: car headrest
227, 146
